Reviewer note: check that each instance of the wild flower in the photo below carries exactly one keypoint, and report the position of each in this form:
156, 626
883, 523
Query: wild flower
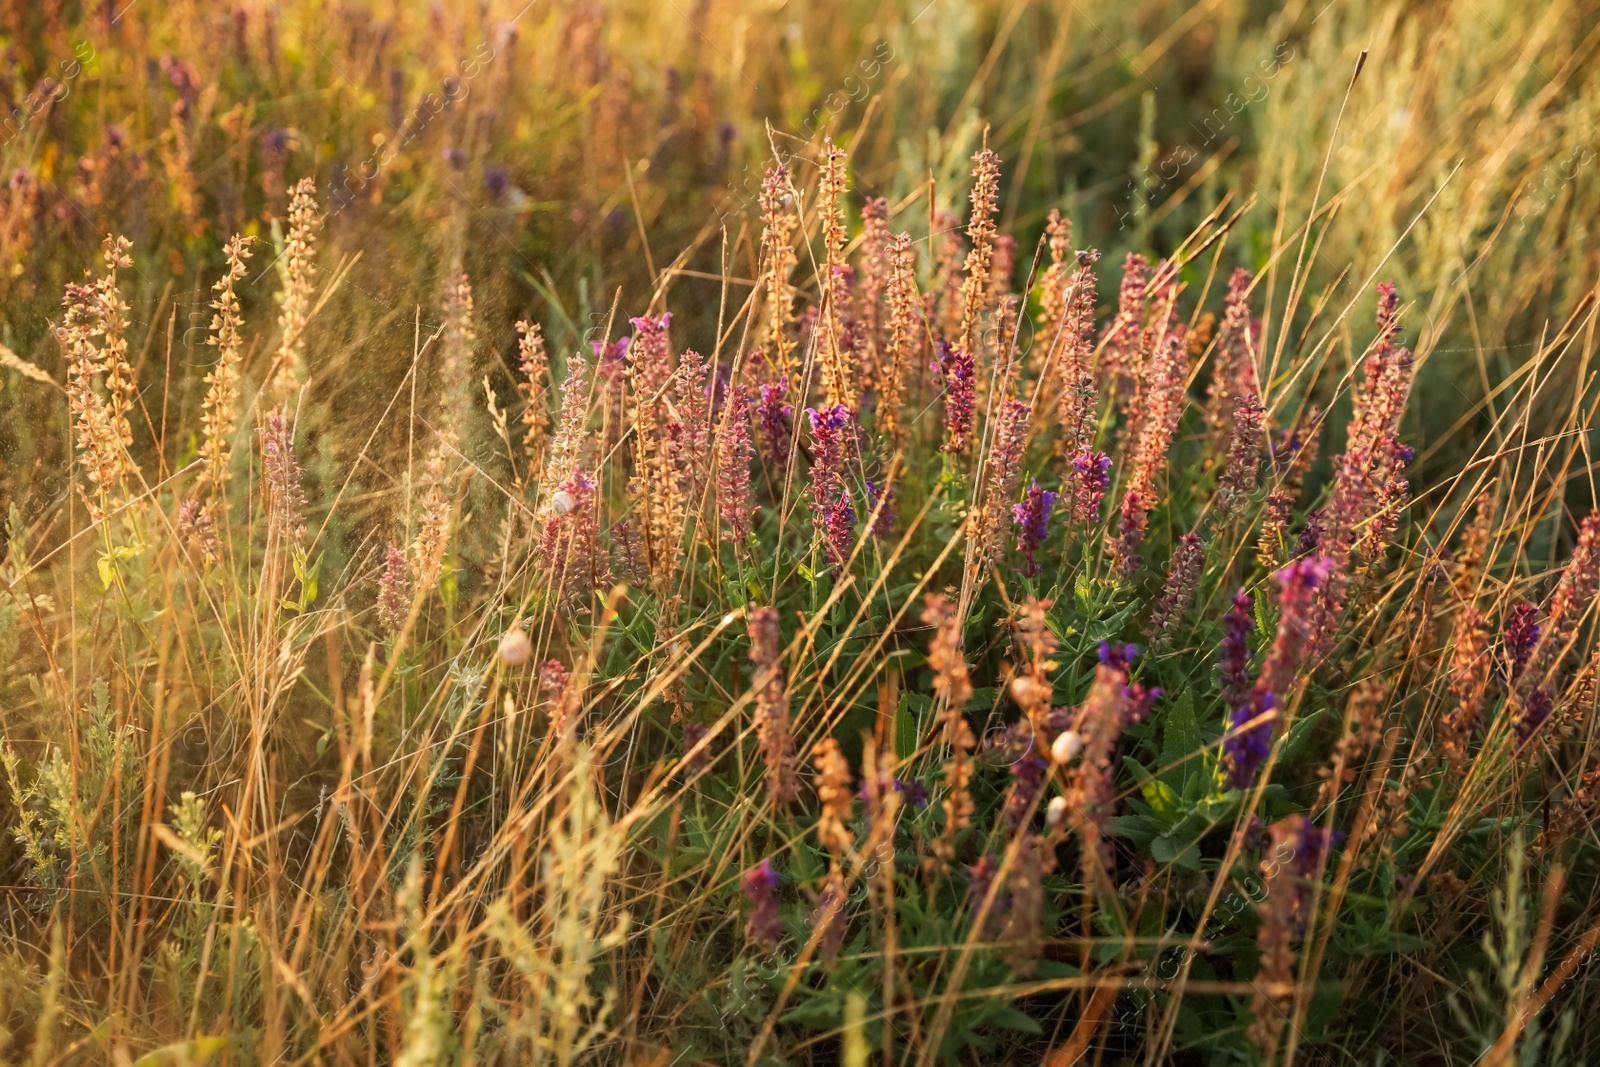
956, 366
394, 592
778, 259
1368, 488
774, 417
286, 496
1053, 283
1120, 355
1128, 537
836, 794
1003, 474
1522, 633
1161, 404
1249, 741
1032, 519
433, 535
1027, 783
1022, 925
760, 884
458, 353
838, 357
1529, 713
1294, 859
734, 452
222, 384
772, 708
299, 269
1238, 479
99, 443
1091, 477
832, 433
905, 320
1183, 575
199, 530
1469, 674
953, 687
569, 546
839, 529
689, 425
568, 448
1574, 594
874, 276
1272, 545
1111, 704
1233, 373
880, 505
563, 696
1072, 346
981, 230
534, 363
1234, 659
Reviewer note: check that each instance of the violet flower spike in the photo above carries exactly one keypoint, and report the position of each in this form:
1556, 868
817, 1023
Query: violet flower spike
1032, 518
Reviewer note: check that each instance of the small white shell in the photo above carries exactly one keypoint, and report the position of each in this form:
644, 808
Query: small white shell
1066, 746
563, 502
515, 648
1056, 811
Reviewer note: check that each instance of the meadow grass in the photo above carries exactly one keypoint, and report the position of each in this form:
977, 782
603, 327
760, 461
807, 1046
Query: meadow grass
809, 533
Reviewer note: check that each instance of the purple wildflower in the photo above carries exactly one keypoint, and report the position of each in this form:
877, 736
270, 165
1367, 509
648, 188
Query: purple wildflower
960, 394
611, 359
1028, 776
833, 514
761, 890
1093, 478
1522, 633
1235, 658
1311, 534
774, 419
839, 528
1183, 574
733, 472
1136, 697
884, 522
1032, 518
1526, 720
1245, 750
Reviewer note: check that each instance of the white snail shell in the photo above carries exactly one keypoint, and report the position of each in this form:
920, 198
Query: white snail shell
563, 502
515, 648
1066, 746
1056, 811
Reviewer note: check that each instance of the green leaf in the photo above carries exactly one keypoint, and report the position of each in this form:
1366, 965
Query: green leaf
1008, 1018
1161, 798
1180, 744
905, 731
1083, 592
